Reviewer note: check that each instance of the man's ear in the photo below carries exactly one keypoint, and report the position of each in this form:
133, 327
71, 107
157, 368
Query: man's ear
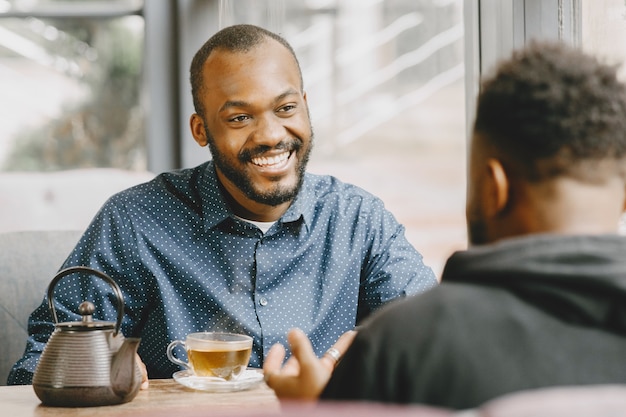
196, 123
497, 189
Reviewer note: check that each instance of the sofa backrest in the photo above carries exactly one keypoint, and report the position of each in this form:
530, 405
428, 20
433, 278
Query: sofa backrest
28, 262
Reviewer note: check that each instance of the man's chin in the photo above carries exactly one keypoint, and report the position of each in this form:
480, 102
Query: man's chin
274, 197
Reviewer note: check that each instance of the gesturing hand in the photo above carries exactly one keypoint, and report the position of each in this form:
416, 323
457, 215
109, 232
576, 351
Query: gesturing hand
304, 375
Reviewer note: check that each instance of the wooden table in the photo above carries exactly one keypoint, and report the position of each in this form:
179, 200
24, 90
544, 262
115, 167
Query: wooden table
165, 397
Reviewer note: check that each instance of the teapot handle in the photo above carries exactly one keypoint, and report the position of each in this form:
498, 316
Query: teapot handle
109, 280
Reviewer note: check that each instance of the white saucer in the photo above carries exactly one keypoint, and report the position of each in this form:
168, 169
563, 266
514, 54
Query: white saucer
249, 379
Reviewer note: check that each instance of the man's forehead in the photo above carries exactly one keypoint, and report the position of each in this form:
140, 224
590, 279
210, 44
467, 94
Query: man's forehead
244, 79
267, 55
267, 48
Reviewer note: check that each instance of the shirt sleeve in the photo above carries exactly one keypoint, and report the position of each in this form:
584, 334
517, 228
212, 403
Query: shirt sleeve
106, 246
393, 267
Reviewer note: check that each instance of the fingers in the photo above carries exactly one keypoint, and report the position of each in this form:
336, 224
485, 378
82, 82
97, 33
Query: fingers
301, 347
273, 360
303, 377
345, 340
333, 355
144, 372
292, 366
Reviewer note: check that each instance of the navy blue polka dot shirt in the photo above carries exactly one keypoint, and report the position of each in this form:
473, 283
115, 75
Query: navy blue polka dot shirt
186, 263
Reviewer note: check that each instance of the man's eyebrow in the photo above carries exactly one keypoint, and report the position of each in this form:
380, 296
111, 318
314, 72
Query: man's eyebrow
287, 93
233, 103
241, 103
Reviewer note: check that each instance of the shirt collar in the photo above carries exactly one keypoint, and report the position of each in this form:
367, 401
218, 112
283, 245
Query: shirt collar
215, 209
303, 206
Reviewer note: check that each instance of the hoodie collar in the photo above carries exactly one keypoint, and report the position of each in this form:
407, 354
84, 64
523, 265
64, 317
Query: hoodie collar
579, 279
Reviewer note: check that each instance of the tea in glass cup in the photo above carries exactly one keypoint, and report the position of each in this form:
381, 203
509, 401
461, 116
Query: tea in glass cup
214, 354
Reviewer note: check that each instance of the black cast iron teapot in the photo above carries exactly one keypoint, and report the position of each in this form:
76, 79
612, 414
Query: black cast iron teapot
87, 363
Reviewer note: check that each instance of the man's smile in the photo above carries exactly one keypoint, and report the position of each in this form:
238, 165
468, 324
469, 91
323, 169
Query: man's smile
273, 163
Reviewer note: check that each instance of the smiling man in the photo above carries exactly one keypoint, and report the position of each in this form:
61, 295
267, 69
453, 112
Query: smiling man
247, 242
264, 116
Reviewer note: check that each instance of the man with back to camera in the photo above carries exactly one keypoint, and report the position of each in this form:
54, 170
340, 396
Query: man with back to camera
247, 242
539, 298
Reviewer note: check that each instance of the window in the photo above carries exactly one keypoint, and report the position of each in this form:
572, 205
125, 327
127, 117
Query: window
604, 30
72, 77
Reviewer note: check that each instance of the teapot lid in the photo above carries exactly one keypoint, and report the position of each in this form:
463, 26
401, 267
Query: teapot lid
85, 309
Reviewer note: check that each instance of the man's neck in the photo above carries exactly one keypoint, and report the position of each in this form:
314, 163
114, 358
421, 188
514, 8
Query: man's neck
565, 206
256, 211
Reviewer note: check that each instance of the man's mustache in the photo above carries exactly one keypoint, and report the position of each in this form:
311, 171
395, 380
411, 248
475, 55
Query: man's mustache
292, 145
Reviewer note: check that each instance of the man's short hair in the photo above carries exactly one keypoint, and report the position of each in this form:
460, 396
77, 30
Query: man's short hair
236, 38
553, 110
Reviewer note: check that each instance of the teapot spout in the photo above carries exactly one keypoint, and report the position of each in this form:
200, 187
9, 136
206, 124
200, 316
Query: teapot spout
125, 373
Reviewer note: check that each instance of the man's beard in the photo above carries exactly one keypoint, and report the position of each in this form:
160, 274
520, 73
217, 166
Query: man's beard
278, 194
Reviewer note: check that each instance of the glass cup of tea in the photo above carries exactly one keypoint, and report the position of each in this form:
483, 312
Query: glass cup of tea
214, 354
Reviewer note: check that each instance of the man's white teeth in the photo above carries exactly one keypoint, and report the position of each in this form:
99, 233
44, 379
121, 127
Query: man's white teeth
271, 160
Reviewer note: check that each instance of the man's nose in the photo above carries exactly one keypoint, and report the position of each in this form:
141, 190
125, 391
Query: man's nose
269, 130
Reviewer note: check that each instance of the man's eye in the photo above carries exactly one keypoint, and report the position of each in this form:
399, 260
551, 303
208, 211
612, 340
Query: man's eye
287, 108
241, 118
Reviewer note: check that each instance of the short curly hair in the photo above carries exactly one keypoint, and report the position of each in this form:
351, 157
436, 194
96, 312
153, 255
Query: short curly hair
236, 38
553, 110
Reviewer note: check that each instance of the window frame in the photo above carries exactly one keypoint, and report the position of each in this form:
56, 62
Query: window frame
494, 28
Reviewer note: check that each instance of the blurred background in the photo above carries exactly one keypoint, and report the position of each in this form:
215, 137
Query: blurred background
95, 94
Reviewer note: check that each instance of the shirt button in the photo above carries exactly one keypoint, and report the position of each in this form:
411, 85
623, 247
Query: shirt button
263, 301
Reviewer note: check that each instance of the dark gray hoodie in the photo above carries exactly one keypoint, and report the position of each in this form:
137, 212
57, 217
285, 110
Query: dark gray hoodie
523, 313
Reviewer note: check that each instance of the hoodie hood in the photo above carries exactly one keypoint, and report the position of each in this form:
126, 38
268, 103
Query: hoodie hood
579, 279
